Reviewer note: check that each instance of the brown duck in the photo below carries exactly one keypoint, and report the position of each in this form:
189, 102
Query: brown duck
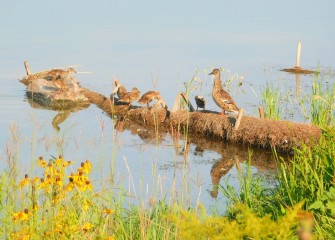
131, 96
119, 89
148, 97
220, 96
200, 101
58, 77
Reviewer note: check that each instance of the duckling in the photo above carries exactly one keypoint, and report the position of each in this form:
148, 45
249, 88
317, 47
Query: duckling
120, 90
148, 97
131, 96
220, 96
200, 101
58, 77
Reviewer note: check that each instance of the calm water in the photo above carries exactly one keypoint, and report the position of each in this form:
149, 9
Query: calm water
158, 46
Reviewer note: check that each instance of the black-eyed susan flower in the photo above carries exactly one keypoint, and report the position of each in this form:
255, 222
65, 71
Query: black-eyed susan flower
50, 170
24, 182
21, 216
68, 163
70, 186
60, 161
87, 166
42, 162
86, 186
80, 179
108, 211
87, 226
44, 185
59, 182
49, 180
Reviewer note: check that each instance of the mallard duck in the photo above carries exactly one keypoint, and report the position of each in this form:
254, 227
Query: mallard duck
131, 96
120, 90
58, 77
220, 96
200, 101
148, 97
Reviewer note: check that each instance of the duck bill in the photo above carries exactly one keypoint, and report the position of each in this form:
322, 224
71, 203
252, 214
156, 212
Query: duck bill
211, 73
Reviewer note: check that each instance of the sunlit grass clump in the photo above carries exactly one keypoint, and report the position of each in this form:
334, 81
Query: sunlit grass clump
245, 225
271, 102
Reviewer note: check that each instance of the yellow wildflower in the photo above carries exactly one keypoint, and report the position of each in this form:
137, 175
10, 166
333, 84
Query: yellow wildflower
86, 186
43, 185
86, 205
87, 166
22, 216
69, 187
68, 163
24, 182
59, 182
87, 226
42, 162
50, 170
80, 179
108, 211
36, 207
60, 161
35, 180
48, 180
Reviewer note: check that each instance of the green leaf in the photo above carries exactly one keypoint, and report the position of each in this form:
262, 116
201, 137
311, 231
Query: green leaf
316, 205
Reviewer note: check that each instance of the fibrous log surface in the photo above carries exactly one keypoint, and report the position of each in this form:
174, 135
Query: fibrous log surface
266, 133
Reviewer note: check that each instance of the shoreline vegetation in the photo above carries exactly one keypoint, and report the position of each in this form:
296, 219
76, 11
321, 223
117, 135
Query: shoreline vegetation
65, 205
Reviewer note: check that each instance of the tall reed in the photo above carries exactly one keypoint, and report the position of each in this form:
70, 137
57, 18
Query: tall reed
271, 102
322, 104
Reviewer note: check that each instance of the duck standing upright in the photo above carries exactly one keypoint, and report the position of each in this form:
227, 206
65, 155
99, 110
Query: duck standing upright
131, 96
220, 96
148, 97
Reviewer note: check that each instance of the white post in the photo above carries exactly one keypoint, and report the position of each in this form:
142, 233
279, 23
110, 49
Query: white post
298, 54
26, 65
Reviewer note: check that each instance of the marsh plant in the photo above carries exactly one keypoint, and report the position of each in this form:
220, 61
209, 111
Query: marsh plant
271, 98
322, 104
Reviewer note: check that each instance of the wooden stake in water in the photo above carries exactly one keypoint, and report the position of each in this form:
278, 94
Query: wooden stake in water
298, 55
261, 112
239, 117
27, 67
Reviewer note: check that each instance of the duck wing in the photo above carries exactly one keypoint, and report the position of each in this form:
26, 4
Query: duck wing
224, 100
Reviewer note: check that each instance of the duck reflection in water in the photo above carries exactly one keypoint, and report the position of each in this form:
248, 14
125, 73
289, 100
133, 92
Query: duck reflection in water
220, 169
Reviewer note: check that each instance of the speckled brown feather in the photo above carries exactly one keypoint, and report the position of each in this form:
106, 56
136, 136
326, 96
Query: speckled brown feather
220, 96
